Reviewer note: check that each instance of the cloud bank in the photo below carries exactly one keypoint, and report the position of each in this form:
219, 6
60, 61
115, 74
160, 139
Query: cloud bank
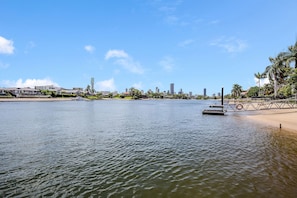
106, 85
124, 60
29, 83
263, 81
6, 46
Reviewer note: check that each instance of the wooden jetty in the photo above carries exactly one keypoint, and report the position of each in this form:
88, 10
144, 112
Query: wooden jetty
216, 109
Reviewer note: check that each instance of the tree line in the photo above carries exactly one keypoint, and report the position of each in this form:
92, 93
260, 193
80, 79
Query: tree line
281, 74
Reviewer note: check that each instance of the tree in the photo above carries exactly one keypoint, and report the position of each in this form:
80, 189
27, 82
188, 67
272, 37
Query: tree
277, 72
135, 93
292, 55
88, 89
293, 81
285, 91
253, 91
268, 89
259, 76
236, 91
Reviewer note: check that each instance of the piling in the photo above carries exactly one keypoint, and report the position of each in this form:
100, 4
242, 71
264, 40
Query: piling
222, 96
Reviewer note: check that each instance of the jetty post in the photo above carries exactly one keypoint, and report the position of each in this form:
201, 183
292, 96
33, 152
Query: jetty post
222, 96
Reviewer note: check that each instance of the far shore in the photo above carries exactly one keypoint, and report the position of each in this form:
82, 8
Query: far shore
285, 119
34, 99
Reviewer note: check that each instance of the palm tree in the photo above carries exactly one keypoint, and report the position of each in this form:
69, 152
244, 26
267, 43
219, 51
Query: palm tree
293, 81
259, 76
135, 93
236, 90
277, 72
268, 89
292, 55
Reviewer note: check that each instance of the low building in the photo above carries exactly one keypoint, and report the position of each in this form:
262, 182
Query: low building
21, 92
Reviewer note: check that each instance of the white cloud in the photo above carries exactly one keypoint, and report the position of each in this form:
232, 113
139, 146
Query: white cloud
263, 81
29, 83
231, 44
89, 48
106, 85
167, 63
6, 46
116, 54
186, 43
124, 60
137, 85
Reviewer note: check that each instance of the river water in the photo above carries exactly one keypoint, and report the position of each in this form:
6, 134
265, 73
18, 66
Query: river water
147, 148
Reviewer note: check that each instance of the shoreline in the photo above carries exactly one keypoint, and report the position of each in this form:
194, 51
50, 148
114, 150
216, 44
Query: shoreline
285, 119
35, 99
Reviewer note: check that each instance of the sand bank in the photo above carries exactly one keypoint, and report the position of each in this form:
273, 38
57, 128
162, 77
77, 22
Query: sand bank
284, 118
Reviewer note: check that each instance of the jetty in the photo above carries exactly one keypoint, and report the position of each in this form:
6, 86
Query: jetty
216, 109
250, 104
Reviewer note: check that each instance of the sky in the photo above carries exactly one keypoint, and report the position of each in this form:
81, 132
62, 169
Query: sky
142, 43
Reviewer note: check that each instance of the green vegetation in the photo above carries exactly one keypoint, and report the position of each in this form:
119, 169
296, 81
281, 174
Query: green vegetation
282, 76
236, 91
253, 92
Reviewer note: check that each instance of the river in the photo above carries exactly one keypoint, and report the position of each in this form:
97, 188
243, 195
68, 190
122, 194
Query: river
146, 148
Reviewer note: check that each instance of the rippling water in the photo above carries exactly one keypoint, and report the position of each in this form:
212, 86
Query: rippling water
163, 148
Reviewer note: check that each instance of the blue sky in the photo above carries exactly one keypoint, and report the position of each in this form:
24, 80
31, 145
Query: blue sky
142, 43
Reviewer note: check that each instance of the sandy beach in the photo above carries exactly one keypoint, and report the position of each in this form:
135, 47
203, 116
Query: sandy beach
284, 118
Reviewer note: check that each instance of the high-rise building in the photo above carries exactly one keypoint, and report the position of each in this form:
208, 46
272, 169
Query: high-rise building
181, 91
204, 92
157, 90
172, 88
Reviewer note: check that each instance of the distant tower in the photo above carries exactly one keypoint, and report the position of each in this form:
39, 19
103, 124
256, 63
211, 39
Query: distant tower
172, 88
181, 91
204, 92
92, 85
157, 90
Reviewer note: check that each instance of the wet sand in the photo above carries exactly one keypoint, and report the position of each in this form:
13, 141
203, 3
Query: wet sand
279, 118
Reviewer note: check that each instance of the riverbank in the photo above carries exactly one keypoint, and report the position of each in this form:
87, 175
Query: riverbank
34, 99
278, 118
